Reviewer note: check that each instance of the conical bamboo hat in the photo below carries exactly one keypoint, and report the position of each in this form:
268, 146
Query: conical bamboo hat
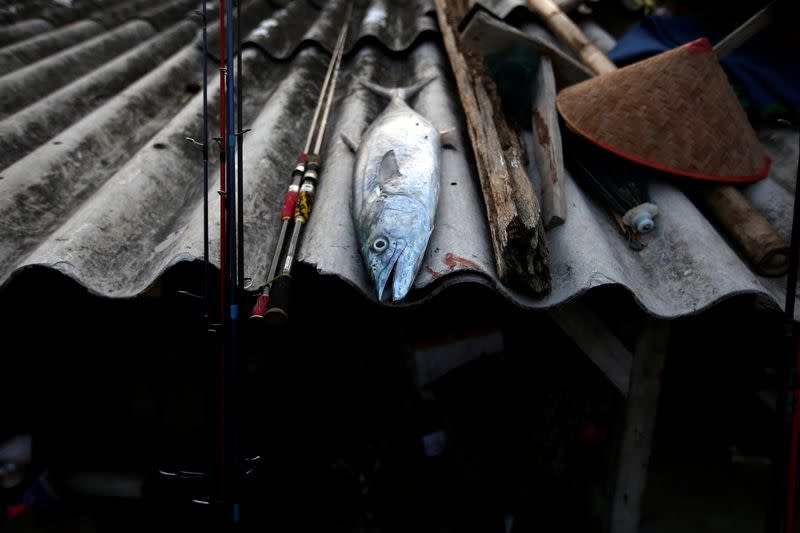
675, 112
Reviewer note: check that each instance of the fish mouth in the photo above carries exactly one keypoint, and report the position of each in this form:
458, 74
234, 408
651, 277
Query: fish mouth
405, 272
397, 278
386, 276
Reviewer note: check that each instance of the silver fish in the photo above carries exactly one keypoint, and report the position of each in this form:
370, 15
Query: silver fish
395, 190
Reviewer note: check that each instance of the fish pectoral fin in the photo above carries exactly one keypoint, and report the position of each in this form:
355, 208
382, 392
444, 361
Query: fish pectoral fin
350, 142
449, 138
389, 173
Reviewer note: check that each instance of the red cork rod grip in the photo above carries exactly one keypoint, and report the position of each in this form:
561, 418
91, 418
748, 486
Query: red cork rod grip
261, 306
288, 205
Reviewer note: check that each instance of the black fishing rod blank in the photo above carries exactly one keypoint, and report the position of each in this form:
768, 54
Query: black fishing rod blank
230, 404
206, 289
240, 146
278, 310
230, 466
791, 365
301, 168
230, 153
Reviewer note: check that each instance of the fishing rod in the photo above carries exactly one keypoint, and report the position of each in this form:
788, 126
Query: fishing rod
206, 279
221, 478
231, 194
794, 376
230, 464
222, 159
240, 146
288, 211
278, 310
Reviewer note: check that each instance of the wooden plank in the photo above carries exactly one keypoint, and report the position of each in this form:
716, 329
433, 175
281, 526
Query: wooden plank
515, 224
592, 336
548, 153
639, 426
496, 189
485, 35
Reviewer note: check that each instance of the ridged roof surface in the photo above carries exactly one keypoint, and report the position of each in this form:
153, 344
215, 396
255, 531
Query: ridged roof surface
99, 183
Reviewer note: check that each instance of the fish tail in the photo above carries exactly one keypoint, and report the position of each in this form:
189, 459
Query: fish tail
403, 93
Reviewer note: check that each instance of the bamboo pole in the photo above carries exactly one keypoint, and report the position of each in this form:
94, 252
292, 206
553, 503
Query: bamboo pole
766, 250
571, 35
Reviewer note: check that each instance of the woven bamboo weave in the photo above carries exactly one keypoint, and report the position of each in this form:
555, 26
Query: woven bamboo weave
675, 111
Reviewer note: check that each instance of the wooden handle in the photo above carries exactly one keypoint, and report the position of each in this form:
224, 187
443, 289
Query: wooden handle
571, 35
766, 251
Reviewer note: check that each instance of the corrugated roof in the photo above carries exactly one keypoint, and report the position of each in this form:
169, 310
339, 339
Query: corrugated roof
99, 183
395, 25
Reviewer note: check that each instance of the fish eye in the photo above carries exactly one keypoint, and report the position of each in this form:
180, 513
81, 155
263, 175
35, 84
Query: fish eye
380, 244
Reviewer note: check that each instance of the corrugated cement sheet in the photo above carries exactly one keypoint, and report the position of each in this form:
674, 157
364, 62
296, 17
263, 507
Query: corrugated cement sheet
100, 184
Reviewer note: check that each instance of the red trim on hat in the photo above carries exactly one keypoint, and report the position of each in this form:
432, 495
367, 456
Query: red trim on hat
700, 46
687, 173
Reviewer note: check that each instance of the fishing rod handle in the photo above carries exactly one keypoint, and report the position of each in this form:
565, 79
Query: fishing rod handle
262, 302
277, 302
287, 211
277, 313
290, 200
305, 197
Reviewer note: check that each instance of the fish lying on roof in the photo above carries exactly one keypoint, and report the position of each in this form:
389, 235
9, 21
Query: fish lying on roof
396, 190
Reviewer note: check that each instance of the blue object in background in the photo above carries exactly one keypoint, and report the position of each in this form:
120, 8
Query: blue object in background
765, 77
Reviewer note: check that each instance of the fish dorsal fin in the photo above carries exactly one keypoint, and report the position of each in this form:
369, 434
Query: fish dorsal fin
389, 173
